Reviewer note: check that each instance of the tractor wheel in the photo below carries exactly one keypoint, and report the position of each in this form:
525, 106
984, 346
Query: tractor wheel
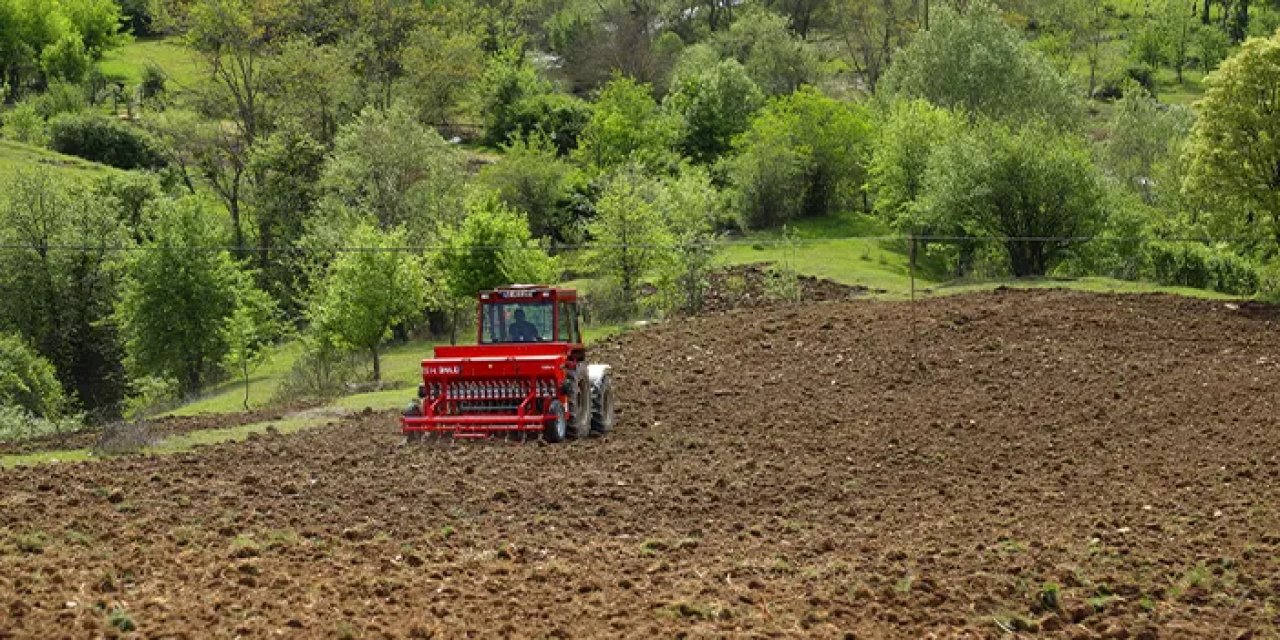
558, 428
602, 409
580, 405
414, 410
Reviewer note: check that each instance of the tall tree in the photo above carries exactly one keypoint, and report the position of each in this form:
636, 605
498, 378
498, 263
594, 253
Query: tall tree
177, 295
369, 289
1234, 150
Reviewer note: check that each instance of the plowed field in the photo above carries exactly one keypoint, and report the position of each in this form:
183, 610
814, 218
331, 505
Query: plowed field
1038, 463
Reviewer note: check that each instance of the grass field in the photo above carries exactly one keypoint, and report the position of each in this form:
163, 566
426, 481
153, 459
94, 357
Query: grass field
15, 157
170, 54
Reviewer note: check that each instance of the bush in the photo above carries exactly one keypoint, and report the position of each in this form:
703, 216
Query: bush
18, 424
60, 98
1269, 282
102, 139
320, 372
25, 125
27, 380
153, 81
561, 117
1187, 264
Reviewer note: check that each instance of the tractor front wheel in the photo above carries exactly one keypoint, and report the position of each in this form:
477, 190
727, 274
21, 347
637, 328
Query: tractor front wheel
557, 428
602, 409
580, 405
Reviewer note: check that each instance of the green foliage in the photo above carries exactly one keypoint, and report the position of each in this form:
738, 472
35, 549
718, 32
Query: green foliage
974, 62
561, 117
42, 41
440, 70
1143, 133
716, 103
59, 301
368, 291
313, 88
1234, 149
778, 61
908, 134
804, 155
103, 139
1210, 46
177, 296
154, 81
17, 424
59, 98
508, 80
691, 207
629, 231
1021, 185
1189, 264
66, 59
389, 167
27, 380
627, 126
491, 248
249, 333
24, 124
532, 179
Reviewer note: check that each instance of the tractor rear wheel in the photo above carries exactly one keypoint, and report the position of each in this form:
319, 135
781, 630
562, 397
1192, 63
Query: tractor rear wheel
414, 410
580, 405
602, 409
558, 427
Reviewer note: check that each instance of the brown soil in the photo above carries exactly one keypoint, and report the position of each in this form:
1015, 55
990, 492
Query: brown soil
155, 427
1042, 463
745, 286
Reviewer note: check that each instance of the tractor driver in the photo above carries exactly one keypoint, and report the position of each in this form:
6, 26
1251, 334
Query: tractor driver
522, 330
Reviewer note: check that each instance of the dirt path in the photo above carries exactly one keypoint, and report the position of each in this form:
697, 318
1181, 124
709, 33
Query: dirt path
1048, 463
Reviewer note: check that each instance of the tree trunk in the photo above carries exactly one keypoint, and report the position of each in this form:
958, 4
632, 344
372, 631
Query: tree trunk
245, 370
1204, 18
377, 365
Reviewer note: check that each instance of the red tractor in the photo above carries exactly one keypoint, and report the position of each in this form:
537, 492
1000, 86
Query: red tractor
526, 375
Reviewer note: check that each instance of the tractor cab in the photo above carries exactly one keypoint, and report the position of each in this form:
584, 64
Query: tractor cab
529, 314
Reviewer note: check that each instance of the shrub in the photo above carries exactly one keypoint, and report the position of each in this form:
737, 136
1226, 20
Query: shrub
102, 139
153, 81
27, 380
17, 424
1187, 264
25, 125
560, 116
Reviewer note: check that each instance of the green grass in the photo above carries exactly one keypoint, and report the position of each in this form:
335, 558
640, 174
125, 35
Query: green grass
828, 248
177, 60
15, 157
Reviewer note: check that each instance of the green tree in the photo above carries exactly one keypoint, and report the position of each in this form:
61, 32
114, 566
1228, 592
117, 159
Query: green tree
1234, 149
59, 301
1033, 188
1141, 134
909, 134
389, 166
28, 380
804, 155
715, 104
627, 126
368, 290
974, 62
508, 79
629, 232
492, 247
441, 68
776, 59
532, 179
249, 333
177, 295
691, 208
312, 88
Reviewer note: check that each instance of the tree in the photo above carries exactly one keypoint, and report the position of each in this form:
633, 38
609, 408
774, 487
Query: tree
908, 136
27, 380
715, 104
974, 62
60, 301
311, 87
532, 179
249, 333
1033, 188
1234, 150
177, 295
492, 247
691, 207
369, 289
1178, 26
804, 155
1141, 134
440, 70
629, 232
773, 57
871, 31
627, 126
388, 166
